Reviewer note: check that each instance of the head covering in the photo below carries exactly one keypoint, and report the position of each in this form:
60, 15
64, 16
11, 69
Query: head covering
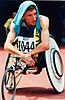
18, 18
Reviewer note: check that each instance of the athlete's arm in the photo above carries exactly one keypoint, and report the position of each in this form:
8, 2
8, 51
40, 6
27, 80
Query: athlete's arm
44, 45
11, 49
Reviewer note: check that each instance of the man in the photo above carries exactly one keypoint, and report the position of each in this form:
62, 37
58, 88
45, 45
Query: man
8, 22
28, 23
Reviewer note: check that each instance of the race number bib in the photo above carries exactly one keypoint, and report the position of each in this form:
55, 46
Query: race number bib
25, 44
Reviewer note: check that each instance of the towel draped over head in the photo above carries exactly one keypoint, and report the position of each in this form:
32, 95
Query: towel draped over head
18, 18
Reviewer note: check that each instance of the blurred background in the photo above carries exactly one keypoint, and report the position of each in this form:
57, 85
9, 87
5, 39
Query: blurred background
55, 10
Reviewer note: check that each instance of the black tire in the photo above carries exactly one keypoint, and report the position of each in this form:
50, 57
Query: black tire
4, 82
7, 61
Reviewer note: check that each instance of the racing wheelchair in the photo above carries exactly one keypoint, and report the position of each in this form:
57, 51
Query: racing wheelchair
14, 67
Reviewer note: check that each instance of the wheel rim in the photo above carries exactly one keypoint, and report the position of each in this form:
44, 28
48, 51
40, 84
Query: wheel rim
56, 78
58, 63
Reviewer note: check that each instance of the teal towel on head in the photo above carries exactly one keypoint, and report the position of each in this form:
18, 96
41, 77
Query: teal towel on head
18, 18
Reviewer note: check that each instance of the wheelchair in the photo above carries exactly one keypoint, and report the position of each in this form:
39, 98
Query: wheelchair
54, 68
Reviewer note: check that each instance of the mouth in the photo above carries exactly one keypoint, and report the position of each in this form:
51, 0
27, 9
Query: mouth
34, 22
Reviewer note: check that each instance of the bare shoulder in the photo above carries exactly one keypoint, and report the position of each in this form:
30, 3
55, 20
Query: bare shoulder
44, 21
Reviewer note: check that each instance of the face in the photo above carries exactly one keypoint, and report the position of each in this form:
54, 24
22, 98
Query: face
30, 17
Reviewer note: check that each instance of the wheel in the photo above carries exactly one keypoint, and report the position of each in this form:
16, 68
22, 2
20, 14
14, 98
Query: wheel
5, 81
54, 66
9, 63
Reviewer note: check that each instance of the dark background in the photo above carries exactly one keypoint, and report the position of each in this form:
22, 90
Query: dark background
55, 10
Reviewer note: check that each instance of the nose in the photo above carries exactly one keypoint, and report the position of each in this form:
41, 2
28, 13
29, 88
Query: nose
34, 17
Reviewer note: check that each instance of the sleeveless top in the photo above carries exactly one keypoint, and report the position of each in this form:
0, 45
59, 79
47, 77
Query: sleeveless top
30, 32
28, 38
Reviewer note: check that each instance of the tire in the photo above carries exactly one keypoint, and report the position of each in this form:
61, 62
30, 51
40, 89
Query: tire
4, 83
56, 76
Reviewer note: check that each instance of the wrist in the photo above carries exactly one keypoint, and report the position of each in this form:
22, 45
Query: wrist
22, 56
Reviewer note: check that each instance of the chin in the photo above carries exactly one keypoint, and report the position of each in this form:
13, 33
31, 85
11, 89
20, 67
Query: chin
33, 24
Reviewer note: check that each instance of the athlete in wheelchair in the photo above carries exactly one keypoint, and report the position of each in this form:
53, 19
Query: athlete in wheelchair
31, 48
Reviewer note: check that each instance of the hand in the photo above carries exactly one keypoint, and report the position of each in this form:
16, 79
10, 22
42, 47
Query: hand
28, 59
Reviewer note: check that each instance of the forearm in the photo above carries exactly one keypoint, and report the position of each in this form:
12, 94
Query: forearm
12, 49
24, 57
40, 48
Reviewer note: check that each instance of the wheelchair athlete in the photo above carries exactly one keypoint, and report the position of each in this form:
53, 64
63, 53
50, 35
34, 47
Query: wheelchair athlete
29, 24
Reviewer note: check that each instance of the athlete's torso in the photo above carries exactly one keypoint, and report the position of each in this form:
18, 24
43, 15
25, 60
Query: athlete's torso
27, 32
28, 39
